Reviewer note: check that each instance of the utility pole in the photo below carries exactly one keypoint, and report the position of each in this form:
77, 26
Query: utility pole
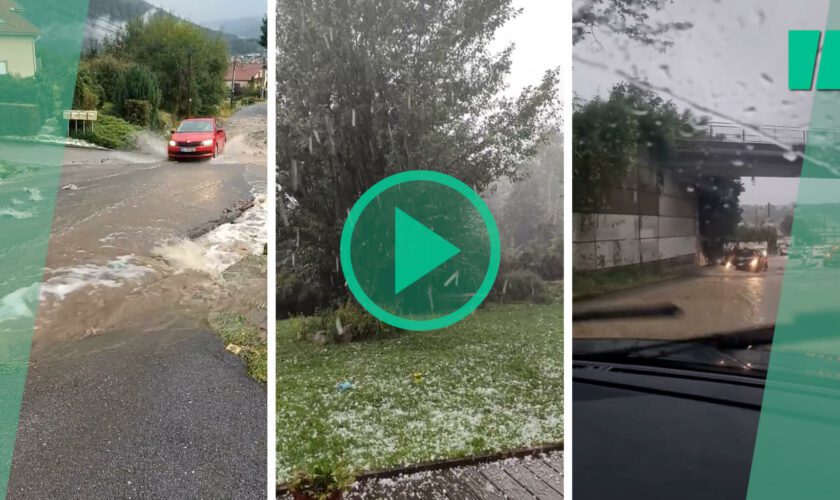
233, 84
189, 81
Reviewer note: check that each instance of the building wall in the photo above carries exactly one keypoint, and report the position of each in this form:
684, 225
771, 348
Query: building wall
650, 218
18, 52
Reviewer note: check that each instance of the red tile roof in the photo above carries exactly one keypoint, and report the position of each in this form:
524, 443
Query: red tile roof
13, 22
244, 72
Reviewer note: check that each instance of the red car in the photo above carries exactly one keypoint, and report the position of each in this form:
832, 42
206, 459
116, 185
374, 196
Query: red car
197, 138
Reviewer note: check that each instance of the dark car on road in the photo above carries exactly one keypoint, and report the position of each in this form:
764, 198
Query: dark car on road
197, 138
749, 259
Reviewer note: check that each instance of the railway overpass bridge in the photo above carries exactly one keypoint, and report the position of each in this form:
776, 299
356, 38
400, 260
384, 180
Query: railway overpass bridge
728, 150
652, 219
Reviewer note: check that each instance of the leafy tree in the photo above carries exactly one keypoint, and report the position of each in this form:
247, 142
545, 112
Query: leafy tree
610, 134
627, 18
87, 90
264, 33
107, 69
188, 63
529, 213
137, 83
720, 213
370, 88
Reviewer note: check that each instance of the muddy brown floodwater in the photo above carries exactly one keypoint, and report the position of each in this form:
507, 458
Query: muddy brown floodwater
713, 300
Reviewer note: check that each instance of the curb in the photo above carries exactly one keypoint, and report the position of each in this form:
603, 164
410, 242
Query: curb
282, 489
92, 147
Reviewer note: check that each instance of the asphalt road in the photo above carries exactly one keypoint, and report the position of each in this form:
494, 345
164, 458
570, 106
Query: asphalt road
129, 394
713, 300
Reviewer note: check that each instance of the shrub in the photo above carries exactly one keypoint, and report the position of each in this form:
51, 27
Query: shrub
323, 481
349, 322
19, 119
87, 91
33, 90
357, 323
163, 121
308, 327
138, 112
521, 285
137, 83
106, 70
110, 132
298, 295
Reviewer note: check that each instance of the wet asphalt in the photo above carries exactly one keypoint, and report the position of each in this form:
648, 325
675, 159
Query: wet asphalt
152, 407
158, 414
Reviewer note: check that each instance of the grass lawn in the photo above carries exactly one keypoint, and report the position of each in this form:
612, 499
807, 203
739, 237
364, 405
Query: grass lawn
252, 348
590, 284
492, 382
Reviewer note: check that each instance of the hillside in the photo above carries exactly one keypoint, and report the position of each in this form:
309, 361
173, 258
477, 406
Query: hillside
243, 27
106, 17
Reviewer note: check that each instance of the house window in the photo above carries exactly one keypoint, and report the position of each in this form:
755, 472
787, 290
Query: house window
3, 68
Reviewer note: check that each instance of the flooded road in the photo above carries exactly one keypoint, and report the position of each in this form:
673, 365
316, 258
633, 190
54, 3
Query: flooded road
713, 300
129, 393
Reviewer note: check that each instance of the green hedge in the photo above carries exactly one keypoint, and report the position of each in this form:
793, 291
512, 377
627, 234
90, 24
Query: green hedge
32, 90
138, 112
110, 132
19, 119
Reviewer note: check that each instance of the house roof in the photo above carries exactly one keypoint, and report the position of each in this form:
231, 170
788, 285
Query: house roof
244, 72
13, 22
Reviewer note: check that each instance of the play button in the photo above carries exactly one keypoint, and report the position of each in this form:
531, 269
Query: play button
420, 250
417, 250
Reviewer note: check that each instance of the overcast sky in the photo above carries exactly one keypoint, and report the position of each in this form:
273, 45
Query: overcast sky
536, 40
208, 11
731, 66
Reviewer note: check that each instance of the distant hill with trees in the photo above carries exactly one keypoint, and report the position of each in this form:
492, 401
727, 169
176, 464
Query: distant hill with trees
105, 17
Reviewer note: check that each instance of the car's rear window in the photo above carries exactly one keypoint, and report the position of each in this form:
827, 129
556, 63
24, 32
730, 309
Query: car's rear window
196, 126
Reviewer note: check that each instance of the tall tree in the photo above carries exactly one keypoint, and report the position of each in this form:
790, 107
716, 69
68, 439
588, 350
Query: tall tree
719, 212
189, 63
370, 88
610, 134
264, 33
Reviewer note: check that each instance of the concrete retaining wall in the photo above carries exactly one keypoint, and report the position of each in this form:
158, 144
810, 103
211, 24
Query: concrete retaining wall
651, 217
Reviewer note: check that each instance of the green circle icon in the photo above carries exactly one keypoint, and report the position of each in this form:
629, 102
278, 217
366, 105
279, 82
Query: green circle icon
420, 250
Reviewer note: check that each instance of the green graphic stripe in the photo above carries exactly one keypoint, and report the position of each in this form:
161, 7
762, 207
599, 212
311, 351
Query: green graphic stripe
31, 104
802, 57
797, 449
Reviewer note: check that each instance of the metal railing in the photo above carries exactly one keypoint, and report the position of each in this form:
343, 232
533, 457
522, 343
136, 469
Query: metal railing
770, 134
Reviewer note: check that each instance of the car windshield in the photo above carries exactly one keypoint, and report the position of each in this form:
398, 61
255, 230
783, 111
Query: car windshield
696, 192
196, 126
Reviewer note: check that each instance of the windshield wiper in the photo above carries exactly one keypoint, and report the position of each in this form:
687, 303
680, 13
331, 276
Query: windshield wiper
666, 310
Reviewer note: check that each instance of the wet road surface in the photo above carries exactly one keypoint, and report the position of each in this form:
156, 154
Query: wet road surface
129, 394
713, 300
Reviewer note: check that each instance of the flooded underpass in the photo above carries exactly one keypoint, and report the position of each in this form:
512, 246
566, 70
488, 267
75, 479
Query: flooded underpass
126, 378
711, 300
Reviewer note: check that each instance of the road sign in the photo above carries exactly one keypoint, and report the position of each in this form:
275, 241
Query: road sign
84, 115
